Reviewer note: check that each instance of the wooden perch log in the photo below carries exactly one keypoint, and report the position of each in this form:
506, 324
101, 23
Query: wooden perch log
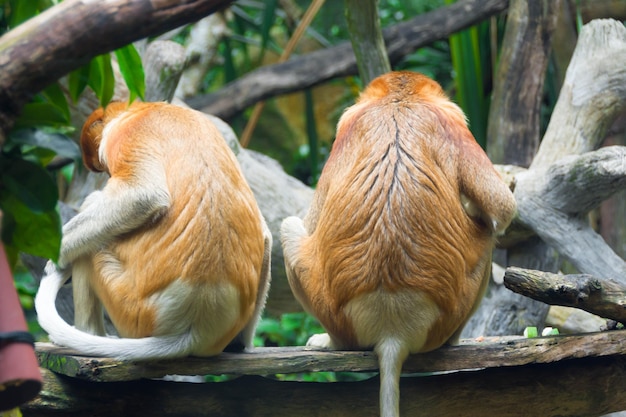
603, 297
317, 67
480, 353
525, 381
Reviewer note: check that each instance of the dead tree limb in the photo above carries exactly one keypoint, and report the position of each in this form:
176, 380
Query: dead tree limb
603, 297
555, 194
320, 66
525, 380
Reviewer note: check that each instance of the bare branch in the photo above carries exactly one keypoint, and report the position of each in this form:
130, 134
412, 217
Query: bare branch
602, 297
339, 61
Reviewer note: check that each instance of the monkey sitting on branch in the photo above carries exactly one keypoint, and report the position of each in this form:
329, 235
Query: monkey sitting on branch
174, 247
394, 253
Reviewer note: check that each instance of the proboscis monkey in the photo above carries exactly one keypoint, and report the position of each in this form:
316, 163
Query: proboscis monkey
174, 247
395, 251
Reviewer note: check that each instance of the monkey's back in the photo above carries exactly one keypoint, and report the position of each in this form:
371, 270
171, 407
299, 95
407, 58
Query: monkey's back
208, 244
407, 233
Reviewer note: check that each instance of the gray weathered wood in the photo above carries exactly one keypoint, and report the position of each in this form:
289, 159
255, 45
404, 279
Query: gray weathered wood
602, 297
555, 194
553, 202
580, 386
163, 62
593, 93
471, 354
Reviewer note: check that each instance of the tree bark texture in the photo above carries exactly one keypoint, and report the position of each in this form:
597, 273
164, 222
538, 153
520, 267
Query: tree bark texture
366, 38
568, 178
603, 297
581, 386
514, 125
495, 352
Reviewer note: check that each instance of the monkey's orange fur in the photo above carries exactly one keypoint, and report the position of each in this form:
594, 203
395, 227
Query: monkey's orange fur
198, 264
395, 252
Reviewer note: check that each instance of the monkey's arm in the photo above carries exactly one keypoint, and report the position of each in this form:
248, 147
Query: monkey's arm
484, 193
119, 208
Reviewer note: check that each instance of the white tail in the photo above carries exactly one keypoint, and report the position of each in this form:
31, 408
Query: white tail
391, 355
63, 334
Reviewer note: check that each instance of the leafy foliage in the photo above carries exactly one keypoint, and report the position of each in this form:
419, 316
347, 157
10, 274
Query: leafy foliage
28, 189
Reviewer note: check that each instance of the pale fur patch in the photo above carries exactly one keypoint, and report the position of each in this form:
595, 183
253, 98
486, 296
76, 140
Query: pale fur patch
403, 315
208, 311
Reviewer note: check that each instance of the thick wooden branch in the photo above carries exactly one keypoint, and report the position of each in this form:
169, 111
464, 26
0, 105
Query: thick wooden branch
578, 184
593, 93
66, 36
471, 354
553, 203
554, 194
590, 383
339, 61
603, 297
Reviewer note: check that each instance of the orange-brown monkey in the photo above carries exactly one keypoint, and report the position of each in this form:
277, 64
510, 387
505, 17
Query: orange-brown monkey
395, 251
174, 247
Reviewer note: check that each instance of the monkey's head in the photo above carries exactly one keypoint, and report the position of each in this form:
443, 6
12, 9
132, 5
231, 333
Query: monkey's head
91, 135
402, 83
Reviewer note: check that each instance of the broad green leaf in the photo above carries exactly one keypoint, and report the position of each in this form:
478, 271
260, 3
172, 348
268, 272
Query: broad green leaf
269, 16
230, 73
467, 64
59, 143
132, 70
21, 11
37, 233
101, 78
41, 114
30, 184
55, 96
77, 81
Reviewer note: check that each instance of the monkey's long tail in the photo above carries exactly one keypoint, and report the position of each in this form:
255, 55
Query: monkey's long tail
391, 355
62, 333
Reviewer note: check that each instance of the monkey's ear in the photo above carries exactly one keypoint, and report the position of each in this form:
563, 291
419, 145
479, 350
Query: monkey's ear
90, 139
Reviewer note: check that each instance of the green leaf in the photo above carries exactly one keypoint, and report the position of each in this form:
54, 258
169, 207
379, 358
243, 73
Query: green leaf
468, 68
37, 233
55, 96
29, 183
132, 70
59, 143
269, 16
21, 11
41, 114
78, 81
230, 73
101, 78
